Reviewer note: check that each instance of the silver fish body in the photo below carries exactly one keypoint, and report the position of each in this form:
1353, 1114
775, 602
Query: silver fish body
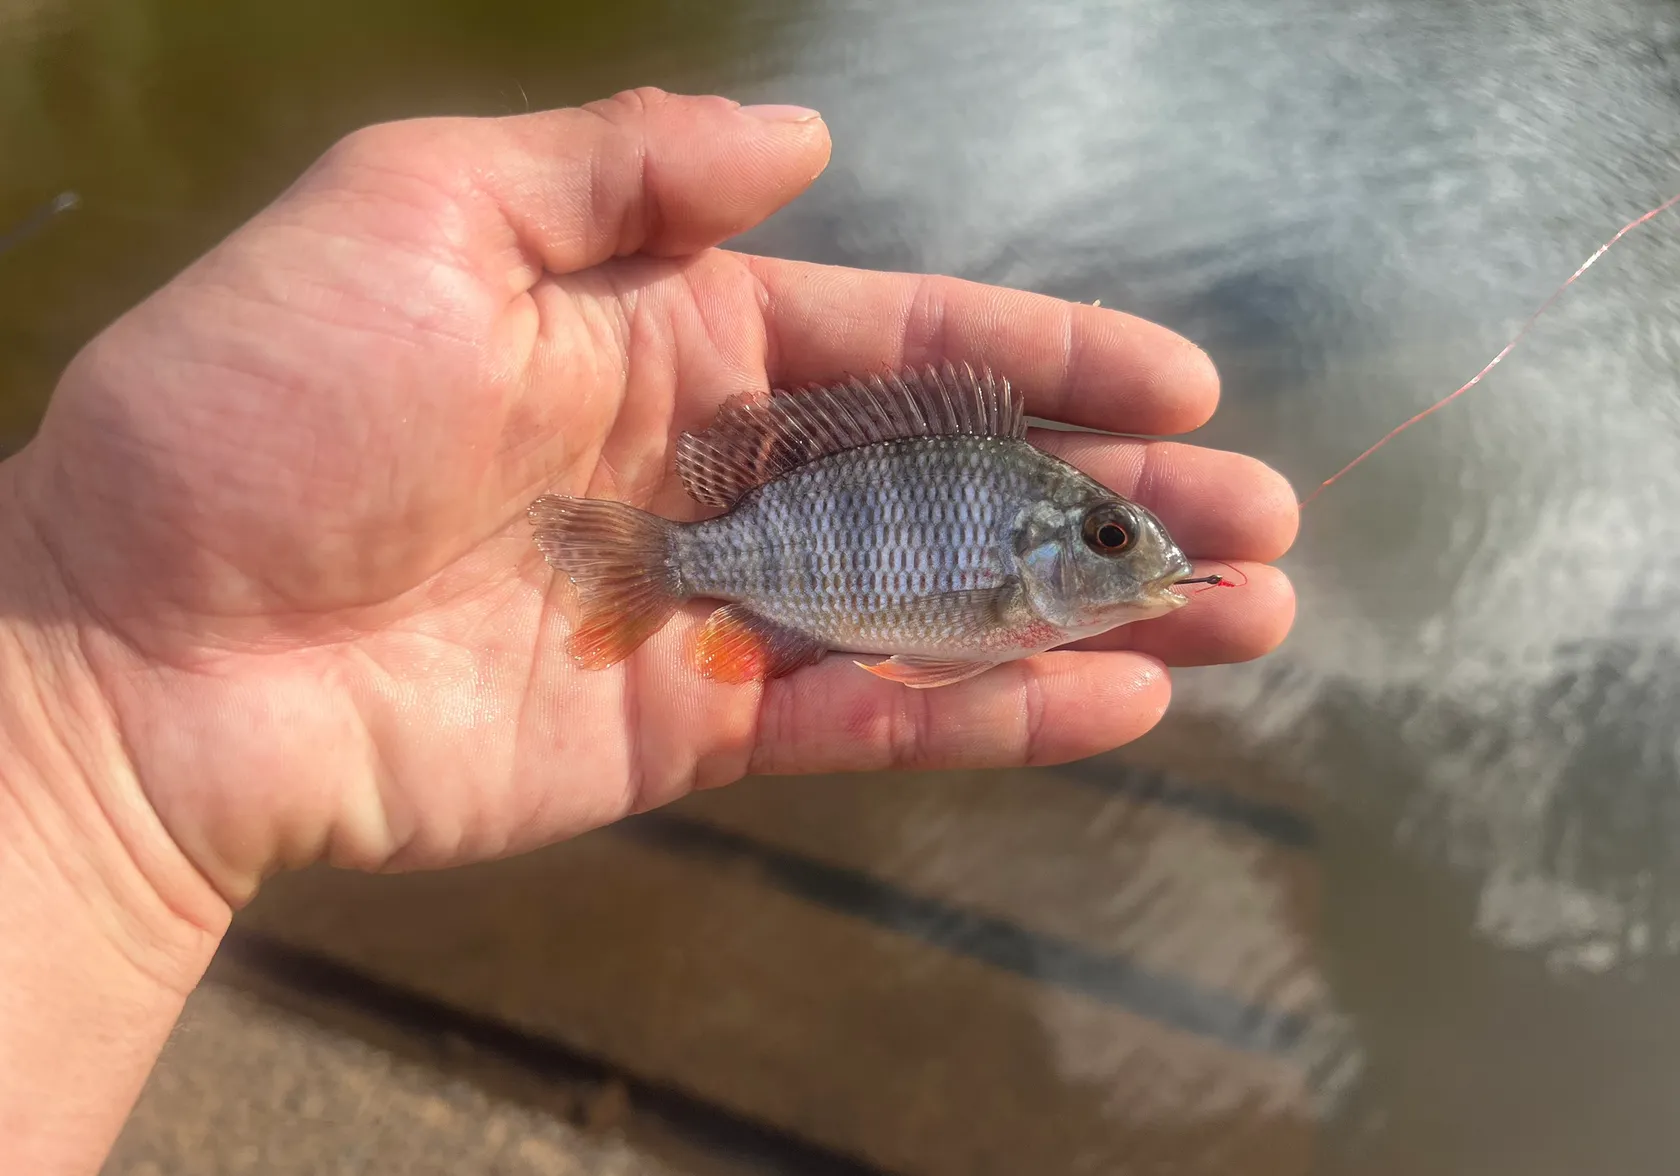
907, 547
907, 517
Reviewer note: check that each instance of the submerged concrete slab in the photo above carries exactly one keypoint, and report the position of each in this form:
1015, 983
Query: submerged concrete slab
981, 974
245, 1088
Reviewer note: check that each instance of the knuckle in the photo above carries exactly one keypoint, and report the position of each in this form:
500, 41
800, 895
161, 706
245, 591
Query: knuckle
1032, 717
424, 168
369, 144
908, 730
434, 150
926, 327
779, 728
636, 102
1153, 471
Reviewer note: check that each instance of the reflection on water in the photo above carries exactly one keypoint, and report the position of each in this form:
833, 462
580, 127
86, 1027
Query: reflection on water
1351, 206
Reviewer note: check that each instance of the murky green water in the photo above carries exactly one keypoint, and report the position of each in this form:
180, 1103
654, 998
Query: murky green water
175, 121
1351, 206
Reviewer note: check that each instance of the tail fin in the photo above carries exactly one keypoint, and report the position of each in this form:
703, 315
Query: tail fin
620, 560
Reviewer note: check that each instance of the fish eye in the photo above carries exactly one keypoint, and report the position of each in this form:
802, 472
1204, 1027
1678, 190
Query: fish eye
1108, 531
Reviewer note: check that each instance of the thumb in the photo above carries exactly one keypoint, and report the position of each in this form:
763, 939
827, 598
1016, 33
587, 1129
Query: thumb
643, 172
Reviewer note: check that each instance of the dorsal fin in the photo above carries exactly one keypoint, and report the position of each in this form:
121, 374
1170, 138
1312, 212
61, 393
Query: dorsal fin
756, 439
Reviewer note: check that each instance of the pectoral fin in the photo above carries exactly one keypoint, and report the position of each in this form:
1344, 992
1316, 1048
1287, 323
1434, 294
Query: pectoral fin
924, 673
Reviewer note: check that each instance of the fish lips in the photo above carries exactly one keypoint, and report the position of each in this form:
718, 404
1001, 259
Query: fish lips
1165, 588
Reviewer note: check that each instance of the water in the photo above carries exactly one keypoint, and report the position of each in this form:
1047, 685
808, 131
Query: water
1352, 207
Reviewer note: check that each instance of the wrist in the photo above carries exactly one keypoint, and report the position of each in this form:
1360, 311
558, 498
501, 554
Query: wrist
104, 925
66, 782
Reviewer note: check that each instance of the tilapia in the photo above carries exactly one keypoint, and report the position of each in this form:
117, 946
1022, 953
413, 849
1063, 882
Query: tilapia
906, 515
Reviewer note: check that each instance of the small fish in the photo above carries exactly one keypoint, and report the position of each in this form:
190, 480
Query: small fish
905, 515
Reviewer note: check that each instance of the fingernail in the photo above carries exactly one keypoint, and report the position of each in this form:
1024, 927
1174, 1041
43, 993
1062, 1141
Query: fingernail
789, 114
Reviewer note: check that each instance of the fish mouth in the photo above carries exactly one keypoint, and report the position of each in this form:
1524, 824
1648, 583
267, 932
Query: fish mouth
1167, 586
1163, 592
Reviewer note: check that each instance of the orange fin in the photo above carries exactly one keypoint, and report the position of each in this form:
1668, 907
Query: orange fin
739, 646
924, 673
619, 558
756, 439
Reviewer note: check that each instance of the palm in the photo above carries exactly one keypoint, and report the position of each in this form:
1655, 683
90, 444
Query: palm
290, 491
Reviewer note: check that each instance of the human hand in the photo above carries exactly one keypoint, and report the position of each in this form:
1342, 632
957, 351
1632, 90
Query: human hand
283, 499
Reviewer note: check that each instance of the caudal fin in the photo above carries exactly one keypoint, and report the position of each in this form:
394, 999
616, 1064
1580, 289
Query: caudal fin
619, 559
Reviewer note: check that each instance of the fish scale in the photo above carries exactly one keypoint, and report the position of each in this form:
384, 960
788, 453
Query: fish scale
906, 515
839, 548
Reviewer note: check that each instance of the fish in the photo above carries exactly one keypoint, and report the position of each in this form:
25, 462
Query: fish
905, 515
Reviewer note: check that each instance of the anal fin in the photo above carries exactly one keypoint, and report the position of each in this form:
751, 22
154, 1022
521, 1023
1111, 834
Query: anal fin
738, 646
924, 673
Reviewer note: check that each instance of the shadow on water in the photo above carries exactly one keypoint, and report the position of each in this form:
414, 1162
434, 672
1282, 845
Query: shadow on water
1350, 206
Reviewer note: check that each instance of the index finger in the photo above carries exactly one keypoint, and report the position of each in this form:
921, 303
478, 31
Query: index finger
1078, 364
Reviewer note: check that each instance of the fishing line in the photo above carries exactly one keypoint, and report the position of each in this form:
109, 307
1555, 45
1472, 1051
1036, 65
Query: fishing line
37, 220
1210, 582
1492, 363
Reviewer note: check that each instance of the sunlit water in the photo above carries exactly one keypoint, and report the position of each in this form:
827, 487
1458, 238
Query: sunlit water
1351, 206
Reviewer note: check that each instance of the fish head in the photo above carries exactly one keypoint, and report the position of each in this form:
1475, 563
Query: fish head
1091, 560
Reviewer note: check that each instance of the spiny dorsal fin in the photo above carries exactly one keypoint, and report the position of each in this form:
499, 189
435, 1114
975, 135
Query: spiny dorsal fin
757, 439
